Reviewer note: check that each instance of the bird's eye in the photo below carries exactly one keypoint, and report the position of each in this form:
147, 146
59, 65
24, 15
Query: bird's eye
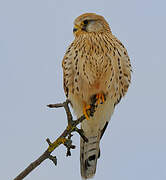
85, 22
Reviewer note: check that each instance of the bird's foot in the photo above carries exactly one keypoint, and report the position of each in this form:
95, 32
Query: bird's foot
89, 110
86, 111
100, 98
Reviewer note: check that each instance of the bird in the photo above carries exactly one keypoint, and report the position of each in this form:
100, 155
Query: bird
96, 73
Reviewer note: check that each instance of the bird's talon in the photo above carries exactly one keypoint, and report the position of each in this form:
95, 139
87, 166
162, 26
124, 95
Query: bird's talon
100, 98
86, 111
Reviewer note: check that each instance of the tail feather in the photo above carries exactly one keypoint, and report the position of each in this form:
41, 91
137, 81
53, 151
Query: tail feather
89, 152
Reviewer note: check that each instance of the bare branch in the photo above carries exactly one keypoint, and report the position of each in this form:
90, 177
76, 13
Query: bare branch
32, 166
64, 138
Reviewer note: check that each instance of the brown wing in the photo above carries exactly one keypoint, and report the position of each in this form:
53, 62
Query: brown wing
68, 73
120, 68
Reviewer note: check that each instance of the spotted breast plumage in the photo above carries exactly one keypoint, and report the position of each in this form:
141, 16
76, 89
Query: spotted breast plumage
96, 65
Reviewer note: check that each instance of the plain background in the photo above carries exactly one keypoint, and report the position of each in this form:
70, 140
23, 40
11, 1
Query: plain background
34, 35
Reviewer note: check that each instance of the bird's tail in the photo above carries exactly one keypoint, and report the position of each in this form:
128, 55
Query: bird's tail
89, 153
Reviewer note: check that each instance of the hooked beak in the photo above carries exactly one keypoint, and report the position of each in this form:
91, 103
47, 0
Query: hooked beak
74, 30
76, 27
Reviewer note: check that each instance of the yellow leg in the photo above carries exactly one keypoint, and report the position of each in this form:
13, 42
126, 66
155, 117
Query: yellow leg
100, 98
90, 109
86, 111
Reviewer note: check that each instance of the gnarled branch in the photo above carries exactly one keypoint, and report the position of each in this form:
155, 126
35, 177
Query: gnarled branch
64, 138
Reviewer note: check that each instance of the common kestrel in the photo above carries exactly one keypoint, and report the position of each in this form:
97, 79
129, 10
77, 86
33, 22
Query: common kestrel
97, 70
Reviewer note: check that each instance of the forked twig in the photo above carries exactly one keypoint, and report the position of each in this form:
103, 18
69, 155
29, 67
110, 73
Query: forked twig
64, 138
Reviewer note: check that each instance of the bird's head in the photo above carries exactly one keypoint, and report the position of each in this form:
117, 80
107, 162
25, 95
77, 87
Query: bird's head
90, 22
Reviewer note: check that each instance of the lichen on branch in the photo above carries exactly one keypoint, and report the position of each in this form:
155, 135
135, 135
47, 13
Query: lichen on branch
64, 138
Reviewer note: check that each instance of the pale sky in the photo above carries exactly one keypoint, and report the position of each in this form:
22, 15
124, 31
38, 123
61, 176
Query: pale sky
34, 35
